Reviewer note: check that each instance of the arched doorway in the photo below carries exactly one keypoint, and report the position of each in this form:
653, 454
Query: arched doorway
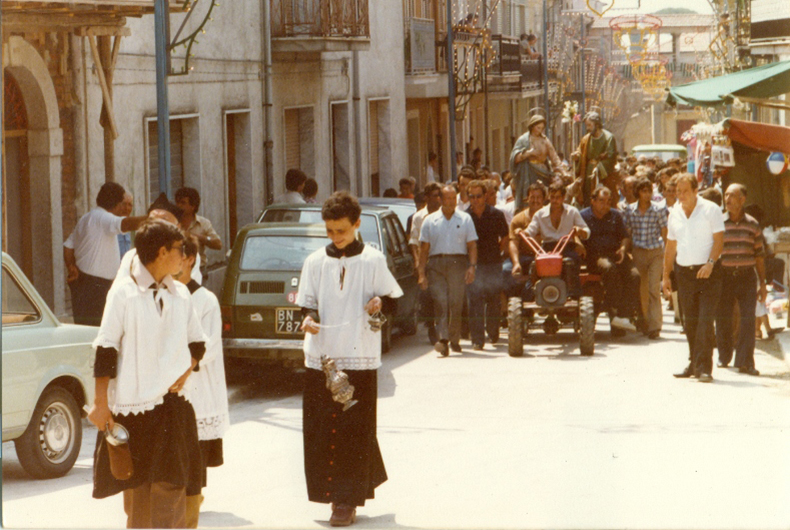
37, 155
16, 177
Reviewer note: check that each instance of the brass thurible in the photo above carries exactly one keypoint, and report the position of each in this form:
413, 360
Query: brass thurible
337, 383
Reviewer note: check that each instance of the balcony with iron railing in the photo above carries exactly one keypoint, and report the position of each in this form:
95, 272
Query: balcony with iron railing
320, 25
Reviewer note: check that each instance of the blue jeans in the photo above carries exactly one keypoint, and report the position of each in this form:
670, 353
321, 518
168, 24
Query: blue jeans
485, 308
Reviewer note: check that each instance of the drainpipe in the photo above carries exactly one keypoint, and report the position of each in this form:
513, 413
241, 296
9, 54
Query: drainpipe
268, 110
357, 124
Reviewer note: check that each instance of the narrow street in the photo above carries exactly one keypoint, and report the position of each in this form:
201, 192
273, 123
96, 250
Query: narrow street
482, 440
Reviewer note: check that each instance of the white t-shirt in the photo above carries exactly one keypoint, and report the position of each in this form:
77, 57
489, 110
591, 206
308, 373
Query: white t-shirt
694, 234
448, 236
416, 225
291, 197
509, 209
430, 175
345, 335
153, 348
207, 389
95, 243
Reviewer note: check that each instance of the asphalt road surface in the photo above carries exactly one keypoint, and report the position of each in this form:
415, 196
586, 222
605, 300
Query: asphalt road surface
483, 440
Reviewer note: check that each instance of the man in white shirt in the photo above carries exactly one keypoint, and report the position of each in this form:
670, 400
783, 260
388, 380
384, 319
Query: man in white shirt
553, 222
294, 184
448, 246
432, 171
91, 254
695, 240
464, 178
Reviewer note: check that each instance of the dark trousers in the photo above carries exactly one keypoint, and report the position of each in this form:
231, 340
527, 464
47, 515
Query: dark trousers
512, 286
485, 303
741, 289
88, 296
620, 283
699, 299
570, 269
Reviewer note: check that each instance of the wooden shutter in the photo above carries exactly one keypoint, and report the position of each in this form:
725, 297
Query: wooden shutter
293, 157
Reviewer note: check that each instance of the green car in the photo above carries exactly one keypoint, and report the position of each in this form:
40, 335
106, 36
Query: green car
663, 151
47, 378
260, 320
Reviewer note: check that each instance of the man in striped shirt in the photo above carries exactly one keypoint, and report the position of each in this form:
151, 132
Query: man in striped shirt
743, 253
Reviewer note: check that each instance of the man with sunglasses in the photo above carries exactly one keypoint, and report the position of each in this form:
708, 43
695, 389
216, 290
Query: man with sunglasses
484, 293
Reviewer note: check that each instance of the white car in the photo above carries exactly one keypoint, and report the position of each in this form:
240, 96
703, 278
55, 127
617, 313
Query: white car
47, 378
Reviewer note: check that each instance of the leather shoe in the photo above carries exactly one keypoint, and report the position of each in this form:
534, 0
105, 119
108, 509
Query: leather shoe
705, 378
722, 365
654, 335
343, 515
774, 331
455, 347
477, 346
494, 338
685, 373
441, 347
750, 371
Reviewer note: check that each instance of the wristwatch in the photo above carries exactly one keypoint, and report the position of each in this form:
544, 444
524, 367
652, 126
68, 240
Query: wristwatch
712, 262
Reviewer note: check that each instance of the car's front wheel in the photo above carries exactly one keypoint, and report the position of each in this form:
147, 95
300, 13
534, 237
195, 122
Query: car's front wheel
51, 443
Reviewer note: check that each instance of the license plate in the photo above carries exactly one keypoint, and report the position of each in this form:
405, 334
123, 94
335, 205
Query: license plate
288, 321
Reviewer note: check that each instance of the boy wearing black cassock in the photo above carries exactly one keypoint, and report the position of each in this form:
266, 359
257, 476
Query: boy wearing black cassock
341, 285
149, 342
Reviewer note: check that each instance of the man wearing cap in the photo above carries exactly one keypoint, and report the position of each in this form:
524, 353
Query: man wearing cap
528, 160
597, 151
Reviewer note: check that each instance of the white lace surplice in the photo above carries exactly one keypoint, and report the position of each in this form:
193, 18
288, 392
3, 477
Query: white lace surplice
207, 390
345, 335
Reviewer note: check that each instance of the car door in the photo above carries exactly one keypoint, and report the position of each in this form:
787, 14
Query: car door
402, 264
36, 351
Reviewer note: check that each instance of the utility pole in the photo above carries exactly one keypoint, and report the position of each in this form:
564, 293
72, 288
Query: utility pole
545, 59
486, 143
451, 88
162, 43
584, 88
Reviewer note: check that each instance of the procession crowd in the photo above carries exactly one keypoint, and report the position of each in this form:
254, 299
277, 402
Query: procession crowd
639, 223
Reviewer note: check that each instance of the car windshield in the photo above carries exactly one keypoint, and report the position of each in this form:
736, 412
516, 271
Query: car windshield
368, 228
663, 155
279, 253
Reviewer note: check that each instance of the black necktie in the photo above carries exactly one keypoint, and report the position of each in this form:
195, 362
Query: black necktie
157, 298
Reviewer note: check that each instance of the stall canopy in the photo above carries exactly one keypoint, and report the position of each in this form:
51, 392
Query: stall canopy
760, 136
765, 81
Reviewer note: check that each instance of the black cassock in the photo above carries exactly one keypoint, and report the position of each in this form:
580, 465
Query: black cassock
342, 459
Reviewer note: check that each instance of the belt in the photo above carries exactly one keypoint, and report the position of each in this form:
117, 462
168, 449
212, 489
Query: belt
447, 256
735, 271
688, 268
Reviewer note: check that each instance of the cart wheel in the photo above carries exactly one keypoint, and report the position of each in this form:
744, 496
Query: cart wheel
586, 325
515, 327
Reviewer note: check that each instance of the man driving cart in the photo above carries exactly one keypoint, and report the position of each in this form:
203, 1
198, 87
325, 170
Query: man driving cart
551, 223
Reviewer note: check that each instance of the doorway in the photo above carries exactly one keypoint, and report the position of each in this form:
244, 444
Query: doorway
17, 222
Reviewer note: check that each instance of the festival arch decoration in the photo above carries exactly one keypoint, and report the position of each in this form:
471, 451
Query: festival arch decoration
473, 53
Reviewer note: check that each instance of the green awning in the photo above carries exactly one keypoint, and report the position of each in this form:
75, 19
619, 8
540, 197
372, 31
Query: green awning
765, 81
